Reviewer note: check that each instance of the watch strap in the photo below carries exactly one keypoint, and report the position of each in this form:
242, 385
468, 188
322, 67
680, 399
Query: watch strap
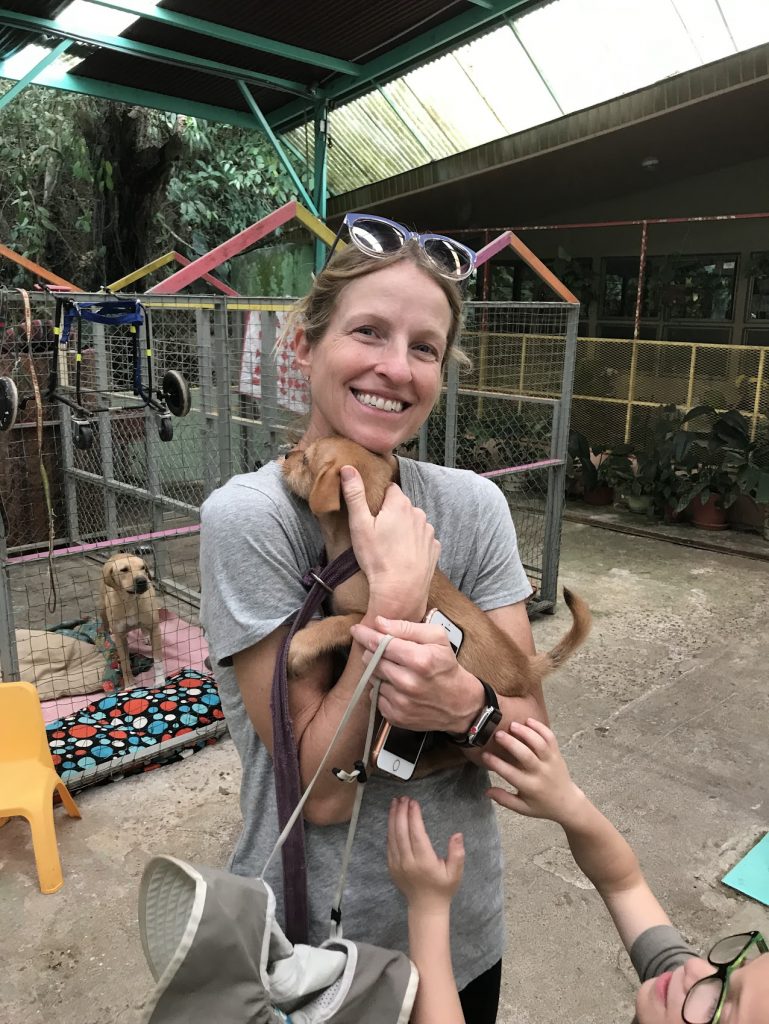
485, 723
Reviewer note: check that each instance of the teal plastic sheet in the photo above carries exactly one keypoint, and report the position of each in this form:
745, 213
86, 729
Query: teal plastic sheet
751, 875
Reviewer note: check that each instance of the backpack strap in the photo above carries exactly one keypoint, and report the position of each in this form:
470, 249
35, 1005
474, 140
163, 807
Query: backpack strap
285, 756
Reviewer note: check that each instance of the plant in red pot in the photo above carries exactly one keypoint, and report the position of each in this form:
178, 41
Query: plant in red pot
593, 471
753, 479
712, 462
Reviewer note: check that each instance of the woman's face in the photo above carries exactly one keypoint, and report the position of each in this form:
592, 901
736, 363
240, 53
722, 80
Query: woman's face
376, 372
660, 1000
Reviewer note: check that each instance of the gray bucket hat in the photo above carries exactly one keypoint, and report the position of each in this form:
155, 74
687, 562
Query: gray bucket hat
216, 952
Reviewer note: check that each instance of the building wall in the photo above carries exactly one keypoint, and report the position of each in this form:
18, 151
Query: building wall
741, 188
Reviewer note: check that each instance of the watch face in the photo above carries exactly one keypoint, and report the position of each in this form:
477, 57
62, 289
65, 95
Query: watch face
485, 727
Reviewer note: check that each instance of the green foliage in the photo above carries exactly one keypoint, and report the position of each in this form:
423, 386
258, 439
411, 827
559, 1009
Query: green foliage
92, 189
283, 269
45, 179
715, 456
596, 465
226, 179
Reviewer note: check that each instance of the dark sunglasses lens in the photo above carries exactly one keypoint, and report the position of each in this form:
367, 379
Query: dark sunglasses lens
729, 949
451, 258
375, 237
701, 1003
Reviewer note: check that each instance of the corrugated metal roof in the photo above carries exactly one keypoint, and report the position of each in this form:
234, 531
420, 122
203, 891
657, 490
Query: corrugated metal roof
536, 61
555, 59
347, 29
12, 40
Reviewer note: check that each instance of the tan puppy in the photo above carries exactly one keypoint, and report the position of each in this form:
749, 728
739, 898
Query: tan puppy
129, 600
487, 651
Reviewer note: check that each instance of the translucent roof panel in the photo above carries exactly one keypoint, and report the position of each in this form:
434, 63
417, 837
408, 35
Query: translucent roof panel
558, 58
78, 16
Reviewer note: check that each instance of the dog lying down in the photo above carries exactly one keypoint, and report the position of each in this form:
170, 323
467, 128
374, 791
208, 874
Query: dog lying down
487, 651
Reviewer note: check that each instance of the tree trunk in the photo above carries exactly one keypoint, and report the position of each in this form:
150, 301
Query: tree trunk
131, 171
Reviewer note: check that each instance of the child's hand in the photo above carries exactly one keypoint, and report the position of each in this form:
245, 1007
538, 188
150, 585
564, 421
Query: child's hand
538, 771
426, 880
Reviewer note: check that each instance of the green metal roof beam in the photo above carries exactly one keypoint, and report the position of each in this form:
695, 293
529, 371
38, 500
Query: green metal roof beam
285, 141
54, 78
31, 75
282, 155
403, 58
233, 35
133, 48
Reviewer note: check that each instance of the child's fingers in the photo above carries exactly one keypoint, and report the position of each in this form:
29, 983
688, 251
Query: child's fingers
398, 844
393, 846
509, 772
544, 731
517, 749
402, 830
531, 737
455, 857
509, 800
418, 837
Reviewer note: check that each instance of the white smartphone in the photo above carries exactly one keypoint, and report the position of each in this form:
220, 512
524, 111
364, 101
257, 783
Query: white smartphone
453, 632
397, 750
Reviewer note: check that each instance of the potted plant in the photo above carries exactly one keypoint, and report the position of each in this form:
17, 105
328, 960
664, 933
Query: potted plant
665, 429
709, 489
712, 463
590, 469
753, 480
642, 483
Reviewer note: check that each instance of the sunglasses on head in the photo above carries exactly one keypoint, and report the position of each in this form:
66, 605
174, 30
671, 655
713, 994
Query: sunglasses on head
380, 237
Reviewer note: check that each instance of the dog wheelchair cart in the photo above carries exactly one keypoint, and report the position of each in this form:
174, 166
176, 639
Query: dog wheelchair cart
172, 398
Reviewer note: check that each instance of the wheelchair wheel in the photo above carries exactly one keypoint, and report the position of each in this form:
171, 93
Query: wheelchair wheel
82, 435
9, 403
166, 428
176, 393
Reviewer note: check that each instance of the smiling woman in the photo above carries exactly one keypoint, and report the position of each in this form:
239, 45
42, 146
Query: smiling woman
372, 337
377, 373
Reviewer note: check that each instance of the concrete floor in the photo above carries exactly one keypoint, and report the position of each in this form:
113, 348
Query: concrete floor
663, 717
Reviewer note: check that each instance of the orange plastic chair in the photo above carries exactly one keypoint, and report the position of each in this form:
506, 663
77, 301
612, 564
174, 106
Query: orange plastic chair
28, 778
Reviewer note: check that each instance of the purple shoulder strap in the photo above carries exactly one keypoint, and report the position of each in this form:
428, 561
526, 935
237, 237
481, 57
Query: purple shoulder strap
285, 756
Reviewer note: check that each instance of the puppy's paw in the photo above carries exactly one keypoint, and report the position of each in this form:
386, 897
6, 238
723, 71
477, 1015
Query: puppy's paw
301, 654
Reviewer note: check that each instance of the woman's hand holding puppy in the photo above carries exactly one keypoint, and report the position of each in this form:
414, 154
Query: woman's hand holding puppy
396, 546
424, 688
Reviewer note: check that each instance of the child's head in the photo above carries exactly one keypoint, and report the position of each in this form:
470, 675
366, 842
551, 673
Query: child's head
702, 992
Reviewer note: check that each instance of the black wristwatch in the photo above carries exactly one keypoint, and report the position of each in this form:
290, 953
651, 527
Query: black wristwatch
485, 725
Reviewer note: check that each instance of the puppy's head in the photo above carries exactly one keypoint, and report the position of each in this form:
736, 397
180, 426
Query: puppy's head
128, 573
313, 473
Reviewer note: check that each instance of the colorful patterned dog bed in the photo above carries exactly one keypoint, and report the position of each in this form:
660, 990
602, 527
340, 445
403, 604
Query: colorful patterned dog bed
136, 730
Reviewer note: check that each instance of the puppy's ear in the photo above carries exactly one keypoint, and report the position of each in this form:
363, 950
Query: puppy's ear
107, 574
326, 493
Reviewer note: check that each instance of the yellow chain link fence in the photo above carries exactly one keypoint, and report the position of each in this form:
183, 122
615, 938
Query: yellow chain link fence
618, 382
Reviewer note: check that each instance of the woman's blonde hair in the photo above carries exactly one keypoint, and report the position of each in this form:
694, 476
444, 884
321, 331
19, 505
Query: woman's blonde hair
313, 313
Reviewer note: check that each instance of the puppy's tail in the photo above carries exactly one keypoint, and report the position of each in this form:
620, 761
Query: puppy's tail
581, 621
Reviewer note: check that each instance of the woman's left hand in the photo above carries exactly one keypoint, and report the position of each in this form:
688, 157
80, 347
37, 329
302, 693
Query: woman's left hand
424, 688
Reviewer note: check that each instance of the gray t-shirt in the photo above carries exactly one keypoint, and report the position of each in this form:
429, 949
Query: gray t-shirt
257, 540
